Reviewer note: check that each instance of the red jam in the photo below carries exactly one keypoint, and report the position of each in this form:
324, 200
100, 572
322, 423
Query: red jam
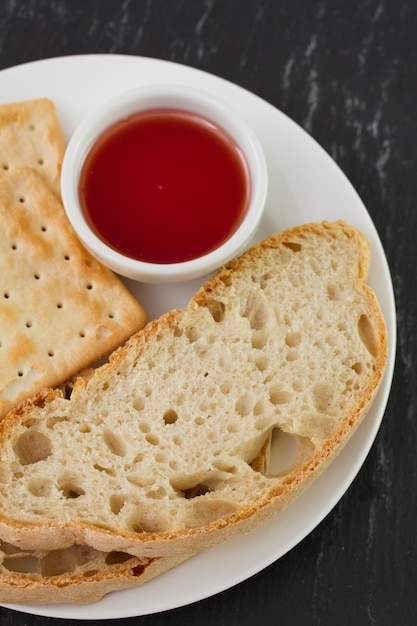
164, 186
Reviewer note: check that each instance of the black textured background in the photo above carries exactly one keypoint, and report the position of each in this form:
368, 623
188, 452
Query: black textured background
346, 71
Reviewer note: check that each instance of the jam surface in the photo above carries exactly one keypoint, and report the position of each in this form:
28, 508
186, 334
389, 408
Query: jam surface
164, 186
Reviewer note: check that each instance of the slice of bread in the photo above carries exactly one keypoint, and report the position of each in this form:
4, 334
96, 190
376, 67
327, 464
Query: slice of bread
60, 310
76, 575
80, 574
31, 136
152, 454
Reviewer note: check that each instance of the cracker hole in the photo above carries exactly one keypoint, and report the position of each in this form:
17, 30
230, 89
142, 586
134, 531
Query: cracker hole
22, 200
41, 162
51, 353
6, 295
36, 276
6, 168
28, 324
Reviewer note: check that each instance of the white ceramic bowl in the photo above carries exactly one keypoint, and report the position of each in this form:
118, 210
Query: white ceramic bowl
154, 97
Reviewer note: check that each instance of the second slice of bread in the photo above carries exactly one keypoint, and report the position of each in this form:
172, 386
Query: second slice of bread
152, 454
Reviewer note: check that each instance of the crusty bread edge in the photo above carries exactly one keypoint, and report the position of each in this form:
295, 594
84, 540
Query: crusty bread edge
73, 589
255, 513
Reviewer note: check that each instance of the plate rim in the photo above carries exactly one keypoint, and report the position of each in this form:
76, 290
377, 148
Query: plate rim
81, 611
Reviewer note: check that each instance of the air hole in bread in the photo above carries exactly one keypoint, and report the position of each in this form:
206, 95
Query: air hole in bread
40, 488
137, 570
138, 404
32, 446
70, 489
259, 339
21, 564
292, 245
113, 558
8, 548
256, 311
200, 489
90, 573
116, 502
217, 310
192, 334
292, 355
157, 494
115, 444
244, 404
170, 416
324, 398
278, 395
100, 468
262, 362
283, 451
357, 368
58, 562
367, 335
225, 387
335, 292
144, 520
152, 439
206, 510
293, 339
315, 266
264, 279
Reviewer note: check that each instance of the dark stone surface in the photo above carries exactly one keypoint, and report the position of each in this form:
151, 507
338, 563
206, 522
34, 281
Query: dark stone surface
346, 72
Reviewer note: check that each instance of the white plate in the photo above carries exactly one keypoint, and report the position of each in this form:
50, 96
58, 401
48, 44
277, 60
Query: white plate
305, 185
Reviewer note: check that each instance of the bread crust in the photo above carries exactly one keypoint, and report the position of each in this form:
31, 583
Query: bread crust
87, 583
277, 491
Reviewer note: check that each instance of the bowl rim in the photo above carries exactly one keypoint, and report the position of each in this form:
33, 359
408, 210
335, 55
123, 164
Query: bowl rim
183, 97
